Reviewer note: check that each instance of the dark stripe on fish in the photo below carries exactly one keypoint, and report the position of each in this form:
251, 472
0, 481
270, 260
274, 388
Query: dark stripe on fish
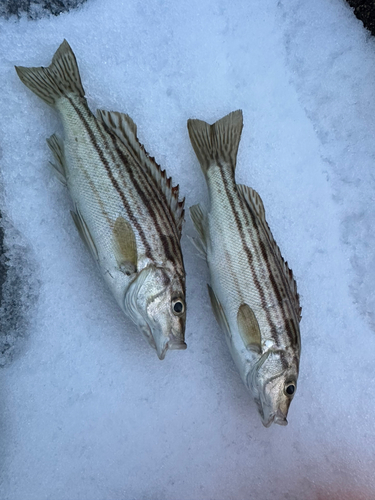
285, 305
250, 258
112, 179
150, 199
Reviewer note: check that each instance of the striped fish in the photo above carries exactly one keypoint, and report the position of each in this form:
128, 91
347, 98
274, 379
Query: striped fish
253, 293
125, 208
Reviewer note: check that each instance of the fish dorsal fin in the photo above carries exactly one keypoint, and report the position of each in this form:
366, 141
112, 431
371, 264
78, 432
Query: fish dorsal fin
255, 202
249, 329
219, 312
199, 221
125, 246
57, 147
85, 234
126, 130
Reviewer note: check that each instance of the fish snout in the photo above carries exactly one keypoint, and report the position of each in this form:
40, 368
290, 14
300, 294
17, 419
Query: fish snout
175, 344
170, 342
275, 418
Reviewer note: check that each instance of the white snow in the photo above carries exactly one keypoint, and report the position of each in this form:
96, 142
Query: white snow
87, 409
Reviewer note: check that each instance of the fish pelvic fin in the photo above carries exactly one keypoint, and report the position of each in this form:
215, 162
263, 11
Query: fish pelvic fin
217, 143
59, 79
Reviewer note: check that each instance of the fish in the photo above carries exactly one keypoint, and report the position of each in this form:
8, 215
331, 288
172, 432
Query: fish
253, 292
125, 208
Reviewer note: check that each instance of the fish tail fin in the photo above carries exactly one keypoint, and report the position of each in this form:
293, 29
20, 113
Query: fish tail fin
59, 79
218, 142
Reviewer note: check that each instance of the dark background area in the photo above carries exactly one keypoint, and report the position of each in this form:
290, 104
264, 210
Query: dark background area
365, 11
2, 263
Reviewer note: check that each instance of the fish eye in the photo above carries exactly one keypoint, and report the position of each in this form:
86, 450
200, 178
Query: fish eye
290, 388
178, 307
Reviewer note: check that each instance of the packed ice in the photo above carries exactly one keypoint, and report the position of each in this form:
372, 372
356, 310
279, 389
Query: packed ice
87, 409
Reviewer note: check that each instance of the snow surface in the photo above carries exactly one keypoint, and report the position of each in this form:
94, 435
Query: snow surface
88, 411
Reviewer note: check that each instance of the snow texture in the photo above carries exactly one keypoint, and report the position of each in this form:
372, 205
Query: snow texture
35, 9
88, 411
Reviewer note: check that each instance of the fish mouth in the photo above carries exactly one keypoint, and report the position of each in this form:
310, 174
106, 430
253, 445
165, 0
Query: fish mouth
275, 418
179, 345
169, 343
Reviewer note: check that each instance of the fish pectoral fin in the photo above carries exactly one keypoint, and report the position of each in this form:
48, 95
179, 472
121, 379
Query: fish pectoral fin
84, 232
219, 312
126, 131
125, 246
249, 328
57, 147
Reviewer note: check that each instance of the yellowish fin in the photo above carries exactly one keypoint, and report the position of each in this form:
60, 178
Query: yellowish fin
125, 246
249, 328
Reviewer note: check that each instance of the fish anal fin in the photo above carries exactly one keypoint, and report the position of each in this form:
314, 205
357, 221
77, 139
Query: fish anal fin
215, 142
254, 201
57, 147
248, 328
126, 131
125, 246
219, 312
200, 221
85, 233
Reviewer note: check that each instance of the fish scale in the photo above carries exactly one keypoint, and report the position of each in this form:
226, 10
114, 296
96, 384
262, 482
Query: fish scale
234, 287
125, 207
253, 293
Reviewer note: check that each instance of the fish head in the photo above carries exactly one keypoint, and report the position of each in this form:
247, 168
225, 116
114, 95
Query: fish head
273, 382
156, 302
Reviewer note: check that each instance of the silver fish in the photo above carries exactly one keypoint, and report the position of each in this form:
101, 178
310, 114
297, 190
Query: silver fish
253, 293
126, 210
